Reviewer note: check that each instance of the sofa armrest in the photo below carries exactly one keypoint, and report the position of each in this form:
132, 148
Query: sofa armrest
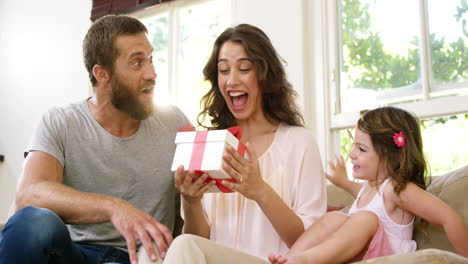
425, 256
338, 197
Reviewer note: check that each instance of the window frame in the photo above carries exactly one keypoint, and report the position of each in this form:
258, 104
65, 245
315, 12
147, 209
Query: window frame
335, 120
172, 8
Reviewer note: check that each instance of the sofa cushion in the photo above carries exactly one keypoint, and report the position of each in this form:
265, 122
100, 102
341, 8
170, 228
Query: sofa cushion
426, 256
338, 196
452, 189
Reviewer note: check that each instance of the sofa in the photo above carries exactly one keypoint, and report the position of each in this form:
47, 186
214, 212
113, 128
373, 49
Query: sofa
434, 247
452, 188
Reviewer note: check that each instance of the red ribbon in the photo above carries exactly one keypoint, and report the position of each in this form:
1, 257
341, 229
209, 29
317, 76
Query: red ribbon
199, 149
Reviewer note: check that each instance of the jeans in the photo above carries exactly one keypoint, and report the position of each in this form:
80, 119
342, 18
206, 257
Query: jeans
38, 235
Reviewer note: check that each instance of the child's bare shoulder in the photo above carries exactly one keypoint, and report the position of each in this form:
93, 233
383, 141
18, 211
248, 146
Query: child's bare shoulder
408, 190
389, 192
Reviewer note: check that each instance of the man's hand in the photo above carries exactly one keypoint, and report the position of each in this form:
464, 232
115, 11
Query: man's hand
134, 224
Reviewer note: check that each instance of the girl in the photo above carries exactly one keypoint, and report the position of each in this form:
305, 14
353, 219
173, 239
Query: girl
387, 155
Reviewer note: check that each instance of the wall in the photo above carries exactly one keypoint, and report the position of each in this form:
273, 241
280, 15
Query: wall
282, 22
40, 66
295, 28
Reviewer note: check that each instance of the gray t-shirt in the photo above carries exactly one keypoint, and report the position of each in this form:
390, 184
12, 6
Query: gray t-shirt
135, 169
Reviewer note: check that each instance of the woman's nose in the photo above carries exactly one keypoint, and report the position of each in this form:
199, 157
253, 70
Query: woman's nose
233, 79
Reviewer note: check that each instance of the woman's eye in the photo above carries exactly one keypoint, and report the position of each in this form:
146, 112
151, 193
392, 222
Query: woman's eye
245, 70
361, 149
223, 71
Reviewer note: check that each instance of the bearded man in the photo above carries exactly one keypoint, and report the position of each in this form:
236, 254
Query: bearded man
97, 181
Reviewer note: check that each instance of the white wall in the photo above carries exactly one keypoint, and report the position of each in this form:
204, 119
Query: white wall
295, 28
282, 21
40, 66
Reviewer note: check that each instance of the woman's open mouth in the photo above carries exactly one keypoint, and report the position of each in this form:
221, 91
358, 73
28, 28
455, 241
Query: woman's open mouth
238, 99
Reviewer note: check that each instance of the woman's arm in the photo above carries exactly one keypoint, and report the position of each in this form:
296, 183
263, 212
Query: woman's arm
301, 176
435, 211
285, 221
195, 221
251, 185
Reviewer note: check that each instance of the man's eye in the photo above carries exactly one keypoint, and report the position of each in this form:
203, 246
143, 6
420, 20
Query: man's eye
136, 63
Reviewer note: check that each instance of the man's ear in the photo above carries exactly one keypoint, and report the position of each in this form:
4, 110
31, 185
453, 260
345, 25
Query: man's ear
100, 73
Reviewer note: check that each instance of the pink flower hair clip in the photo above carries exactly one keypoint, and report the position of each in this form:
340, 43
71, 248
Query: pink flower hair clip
399, 139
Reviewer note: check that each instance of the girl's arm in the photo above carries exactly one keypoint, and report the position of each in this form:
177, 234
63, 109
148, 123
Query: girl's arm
435, 211
339, 176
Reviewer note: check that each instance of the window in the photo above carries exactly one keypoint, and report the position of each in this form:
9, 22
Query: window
182, 34
411, 54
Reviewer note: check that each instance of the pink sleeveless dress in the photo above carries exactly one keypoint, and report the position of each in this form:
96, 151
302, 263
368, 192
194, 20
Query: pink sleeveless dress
391, 237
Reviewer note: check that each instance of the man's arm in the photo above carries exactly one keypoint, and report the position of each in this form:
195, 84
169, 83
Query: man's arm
41, 185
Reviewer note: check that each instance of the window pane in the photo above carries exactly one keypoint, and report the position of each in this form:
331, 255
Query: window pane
200, 25
448, 35
380, 53
445, 143
158, 36
347, 140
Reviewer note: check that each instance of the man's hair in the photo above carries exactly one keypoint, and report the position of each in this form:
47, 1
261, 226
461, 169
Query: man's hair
99, 43
278, 96
402, 163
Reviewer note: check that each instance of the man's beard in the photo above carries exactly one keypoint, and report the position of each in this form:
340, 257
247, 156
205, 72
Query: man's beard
124, 99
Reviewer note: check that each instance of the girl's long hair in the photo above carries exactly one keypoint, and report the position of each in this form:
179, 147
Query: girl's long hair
403, 164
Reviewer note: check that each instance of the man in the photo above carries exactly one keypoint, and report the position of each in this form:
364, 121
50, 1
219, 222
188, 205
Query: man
102, 165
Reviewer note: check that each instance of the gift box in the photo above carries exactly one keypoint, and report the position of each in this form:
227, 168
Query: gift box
202, 151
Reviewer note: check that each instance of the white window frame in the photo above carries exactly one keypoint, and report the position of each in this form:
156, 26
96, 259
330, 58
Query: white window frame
172, 9
323, 37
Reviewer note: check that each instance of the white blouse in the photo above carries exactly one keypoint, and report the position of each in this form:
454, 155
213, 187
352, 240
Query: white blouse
293, 168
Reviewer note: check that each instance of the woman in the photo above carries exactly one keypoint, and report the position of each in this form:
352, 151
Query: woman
280, 189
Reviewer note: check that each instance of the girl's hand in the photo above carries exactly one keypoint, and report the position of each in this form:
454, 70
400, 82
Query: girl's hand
247, 173
338, 175
190, 185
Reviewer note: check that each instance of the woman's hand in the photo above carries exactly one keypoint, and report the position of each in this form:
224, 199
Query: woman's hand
338, 175
190, 185
247, 173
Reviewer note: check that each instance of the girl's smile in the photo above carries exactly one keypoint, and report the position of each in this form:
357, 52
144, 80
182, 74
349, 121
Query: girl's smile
365, 160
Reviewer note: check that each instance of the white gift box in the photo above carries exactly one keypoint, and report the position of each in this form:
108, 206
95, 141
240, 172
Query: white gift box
203, 151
